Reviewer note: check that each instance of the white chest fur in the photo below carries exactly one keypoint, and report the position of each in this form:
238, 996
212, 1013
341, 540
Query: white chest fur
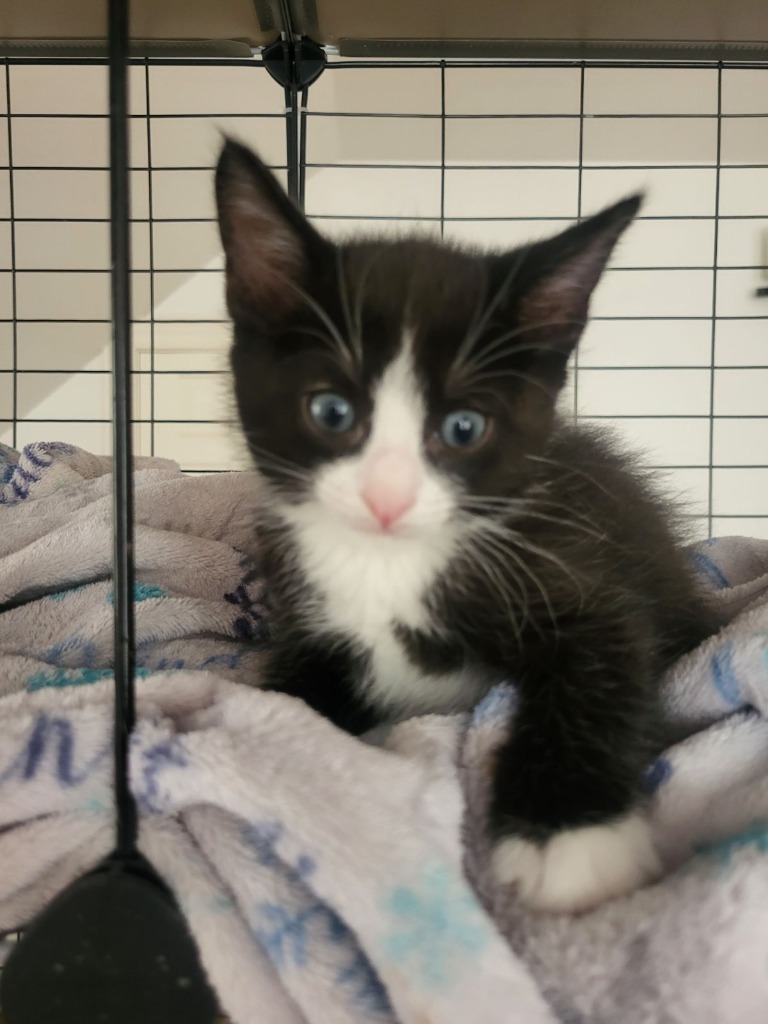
368, 583
369, 579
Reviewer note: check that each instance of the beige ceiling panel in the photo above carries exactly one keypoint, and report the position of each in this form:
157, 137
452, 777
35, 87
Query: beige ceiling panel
415, 27
154, 21
432, 26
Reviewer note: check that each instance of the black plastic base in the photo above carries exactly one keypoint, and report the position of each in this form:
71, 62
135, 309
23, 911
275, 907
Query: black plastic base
113, 948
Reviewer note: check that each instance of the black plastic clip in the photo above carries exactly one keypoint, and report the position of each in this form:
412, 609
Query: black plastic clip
294, 62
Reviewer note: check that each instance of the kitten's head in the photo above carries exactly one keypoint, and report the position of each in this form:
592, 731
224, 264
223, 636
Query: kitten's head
394, 386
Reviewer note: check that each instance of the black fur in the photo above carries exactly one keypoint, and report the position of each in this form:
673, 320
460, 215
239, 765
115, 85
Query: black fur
595, 600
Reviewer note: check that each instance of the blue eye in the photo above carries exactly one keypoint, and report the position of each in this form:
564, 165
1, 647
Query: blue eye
462, 428
332, 412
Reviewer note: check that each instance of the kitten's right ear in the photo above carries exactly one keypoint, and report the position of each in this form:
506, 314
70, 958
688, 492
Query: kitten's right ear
268, 243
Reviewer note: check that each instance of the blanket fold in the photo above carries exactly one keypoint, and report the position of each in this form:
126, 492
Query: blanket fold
328, 879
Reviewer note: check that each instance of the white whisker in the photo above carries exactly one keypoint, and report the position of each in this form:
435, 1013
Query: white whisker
360, 295
474, 378
476, 329
506, 551
477, 547
524, 508
489, 354
267, 460
353, 328
570, 470
525, 544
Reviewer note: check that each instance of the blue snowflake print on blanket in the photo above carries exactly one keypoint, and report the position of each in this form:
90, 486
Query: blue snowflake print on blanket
167, 753
710, 570
60, 678
37, 457
437, 924
294, 938
263, 836
249, 598
284, 931
724, 677
141, 592
656, 775
52, 748
496, 707
755, 837
79, 648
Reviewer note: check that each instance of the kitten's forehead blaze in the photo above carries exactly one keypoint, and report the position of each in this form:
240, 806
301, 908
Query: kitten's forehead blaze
415, 290
415, 304
407, 331
399, 406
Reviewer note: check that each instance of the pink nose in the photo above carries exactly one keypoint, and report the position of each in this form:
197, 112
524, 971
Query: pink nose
390, 485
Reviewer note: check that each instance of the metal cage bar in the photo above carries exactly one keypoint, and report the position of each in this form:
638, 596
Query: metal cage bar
155, 420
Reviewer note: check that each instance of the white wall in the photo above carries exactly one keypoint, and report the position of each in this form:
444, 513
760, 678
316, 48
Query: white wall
526, 167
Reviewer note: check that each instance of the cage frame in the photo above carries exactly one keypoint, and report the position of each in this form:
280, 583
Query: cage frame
293, 52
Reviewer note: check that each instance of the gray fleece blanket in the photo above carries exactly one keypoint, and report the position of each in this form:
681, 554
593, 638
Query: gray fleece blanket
327, 879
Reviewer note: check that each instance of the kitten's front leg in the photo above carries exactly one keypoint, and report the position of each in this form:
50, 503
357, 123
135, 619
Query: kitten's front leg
569, 829
325, 674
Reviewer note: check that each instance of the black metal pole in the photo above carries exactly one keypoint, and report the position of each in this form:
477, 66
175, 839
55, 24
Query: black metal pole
302, 168
122, 442
114, 946
290, 92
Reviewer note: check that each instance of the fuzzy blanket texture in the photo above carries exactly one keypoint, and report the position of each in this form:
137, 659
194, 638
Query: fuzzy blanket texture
332, 880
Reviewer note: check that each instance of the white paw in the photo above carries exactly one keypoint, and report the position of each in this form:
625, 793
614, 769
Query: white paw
579, 868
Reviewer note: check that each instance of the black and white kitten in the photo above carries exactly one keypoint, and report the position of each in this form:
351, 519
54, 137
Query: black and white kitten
432, 527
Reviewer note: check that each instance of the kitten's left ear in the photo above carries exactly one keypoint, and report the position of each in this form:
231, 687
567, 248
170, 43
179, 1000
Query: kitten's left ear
556, 278
269, 244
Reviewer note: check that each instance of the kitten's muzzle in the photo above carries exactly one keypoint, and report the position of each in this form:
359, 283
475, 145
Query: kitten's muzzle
390, 485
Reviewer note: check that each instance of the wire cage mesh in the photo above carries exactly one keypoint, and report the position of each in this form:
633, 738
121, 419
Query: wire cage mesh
487, 153
490, 153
